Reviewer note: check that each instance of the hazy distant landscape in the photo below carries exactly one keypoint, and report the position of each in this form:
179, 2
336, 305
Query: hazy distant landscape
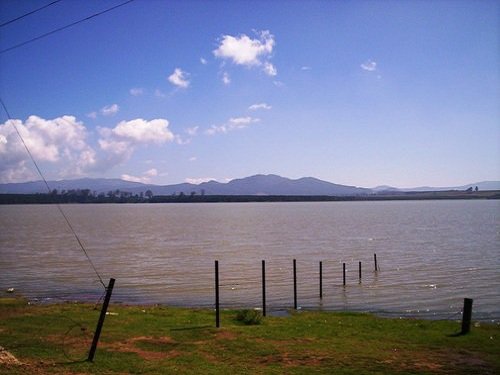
253, 185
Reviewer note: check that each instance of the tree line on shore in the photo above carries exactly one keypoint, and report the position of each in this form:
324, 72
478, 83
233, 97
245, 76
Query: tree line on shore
117, 196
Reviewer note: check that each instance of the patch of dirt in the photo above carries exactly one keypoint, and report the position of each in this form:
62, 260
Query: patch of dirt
225, 335
439, 361
7, 358
165, 346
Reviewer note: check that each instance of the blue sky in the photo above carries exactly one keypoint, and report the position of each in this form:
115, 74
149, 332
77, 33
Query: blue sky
359, 93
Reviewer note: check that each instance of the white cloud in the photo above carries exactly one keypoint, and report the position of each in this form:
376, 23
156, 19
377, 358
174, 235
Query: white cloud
136, 91
120, 142
197, 181
369, 65
192, 131
243, 50
110, 110
234, 123
255, 107
159, 94
203, 61
226, 79
193, 158
92, 115
270, 69
142, 131
179, 78
278, 83
145, 178
305, 68
58, 141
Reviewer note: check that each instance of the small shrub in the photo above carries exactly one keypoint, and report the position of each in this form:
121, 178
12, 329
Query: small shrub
249, 317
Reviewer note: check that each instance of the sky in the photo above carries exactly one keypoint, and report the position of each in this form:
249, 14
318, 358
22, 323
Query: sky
364, 93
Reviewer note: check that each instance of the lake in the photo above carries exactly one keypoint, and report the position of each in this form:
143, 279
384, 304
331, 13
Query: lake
431, 254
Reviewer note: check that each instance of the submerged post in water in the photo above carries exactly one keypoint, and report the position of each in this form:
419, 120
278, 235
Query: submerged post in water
100, 322
343, 272
467, 315
320, 279
360, 272
375, 260
295, 284
263, 288
217, 316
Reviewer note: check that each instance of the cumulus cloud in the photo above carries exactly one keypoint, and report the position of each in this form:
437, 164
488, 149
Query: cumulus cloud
110, 110
305, 68
369, 65
142, 131
234, 123
179, 78
61, 140
243, 50
226, 79
193, 158
203, 61
136, 91
92, 115
120, 142
257, 106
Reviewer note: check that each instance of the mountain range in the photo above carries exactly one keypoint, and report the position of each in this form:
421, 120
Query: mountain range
253, 185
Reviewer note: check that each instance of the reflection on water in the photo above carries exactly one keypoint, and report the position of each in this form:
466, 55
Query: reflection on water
431, 254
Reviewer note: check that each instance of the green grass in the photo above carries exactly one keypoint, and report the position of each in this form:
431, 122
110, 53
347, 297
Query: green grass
53, 339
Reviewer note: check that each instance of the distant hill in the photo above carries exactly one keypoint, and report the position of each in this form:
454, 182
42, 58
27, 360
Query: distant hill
253, 185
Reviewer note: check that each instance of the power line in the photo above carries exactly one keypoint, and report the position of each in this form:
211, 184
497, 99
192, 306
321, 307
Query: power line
64, 27
29, 13
48, 189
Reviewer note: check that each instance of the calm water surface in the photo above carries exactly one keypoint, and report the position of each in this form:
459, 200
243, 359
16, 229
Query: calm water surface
431, 254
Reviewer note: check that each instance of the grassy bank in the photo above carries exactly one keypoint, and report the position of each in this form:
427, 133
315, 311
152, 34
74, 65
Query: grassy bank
53, 339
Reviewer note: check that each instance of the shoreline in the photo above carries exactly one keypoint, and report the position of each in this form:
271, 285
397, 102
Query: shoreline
39, 198
54, 339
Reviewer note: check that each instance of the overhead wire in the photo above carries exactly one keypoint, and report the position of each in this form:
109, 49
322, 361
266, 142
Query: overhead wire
29, 13
64, 27
49, 190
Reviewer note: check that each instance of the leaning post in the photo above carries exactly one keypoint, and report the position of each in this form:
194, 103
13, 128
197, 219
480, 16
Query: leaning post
100, 322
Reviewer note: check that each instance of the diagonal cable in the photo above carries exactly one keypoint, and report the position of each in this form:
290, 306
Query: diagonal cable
48, 189
64, 27
29, 13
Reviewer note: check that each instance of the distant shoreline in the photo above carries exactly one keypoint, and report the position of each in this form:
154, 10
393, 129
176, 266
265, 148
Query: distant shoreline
383, 196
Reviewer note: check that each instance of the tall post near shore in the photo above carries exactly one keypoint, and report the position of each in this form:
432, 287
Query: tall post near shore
359, 268
217, 312
343, 272
295, 284
467, 315
263, 288
375, 261
320, 279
